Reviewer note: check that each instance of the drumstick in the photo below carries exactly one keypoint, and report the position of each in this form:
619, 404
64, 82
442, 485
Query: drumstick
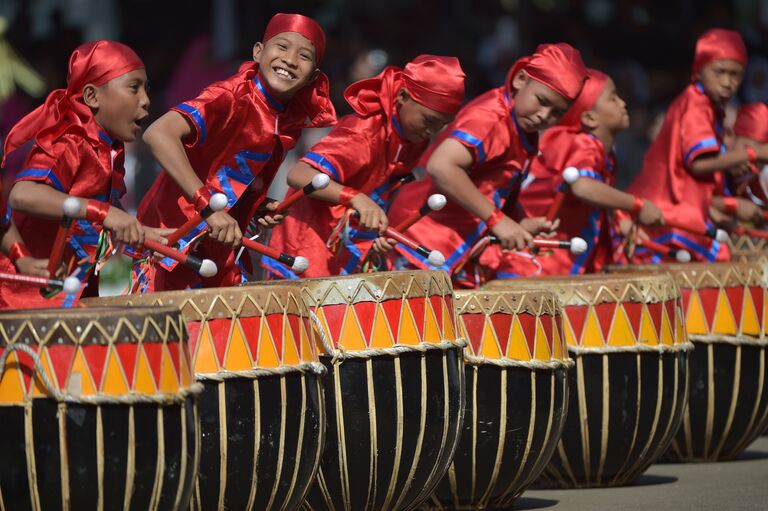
70, 285
71, 208
319, 182
435, 202
203, 267
417, 174
574, 245
680, 255
754, 233
570, 176
434, 257
709, 232
298, 264
217, 203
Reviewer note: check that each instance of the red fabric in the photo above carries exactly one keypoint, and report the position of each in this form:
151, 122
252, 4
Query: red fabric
346, 195
17, 251
558, 66
201, 198
240, 137
96, 211
692, 127
718, 44
494, 218
752, 122
64, 112
302, 25
435, 82
586, 100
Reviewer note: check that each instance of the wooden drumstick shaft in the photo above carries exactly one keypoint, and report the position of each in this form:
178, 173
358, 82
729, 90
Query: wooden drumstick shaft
18, 278
297, 263
754, 233
319, 182
435, 202
200, 266
217, 203
71, 208
401, 238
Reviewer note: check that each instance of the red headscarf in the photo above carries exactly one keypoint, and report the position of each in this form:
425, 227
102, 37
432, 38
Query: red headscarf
752, 122
433, 81
558, 66
63, 112
586, 100
302, 25
718, 44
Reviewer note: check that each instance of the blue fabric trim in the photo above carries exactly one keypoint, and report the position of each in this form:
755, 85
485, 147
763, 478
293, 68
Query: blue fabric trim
702, 144
324, 163
396, 125
272, 101
591, 174
506, 275
277, 268
105, 138
708, 254
589, 234
522, 135
41, 173
197, 118
472, 140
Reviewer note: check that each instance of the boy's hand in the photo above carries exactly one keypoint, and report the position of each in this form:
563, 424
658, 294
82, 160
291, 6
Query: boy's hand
511, 235
650, 214
158, 234
372, 217
33, 266
223, 228
382, 245
125, 228
748, 211
721, 219
540, 224
740, 169
270, 221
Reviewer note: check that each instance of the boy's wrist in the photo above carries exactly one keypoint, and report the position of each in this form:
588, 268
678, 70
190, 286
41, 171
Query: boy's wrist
494, 218
346, 195
17, 251
201, 198
96, 211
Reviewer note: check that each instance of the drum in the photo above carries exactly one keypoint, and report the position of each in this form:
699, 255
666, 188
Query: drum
747, 244
394, 389
98, 410
628, 387
516, 365
261, 410
725, 313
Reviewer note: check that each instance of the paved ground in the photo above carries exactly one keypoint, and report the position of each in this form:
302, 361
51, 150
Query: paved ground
740, 485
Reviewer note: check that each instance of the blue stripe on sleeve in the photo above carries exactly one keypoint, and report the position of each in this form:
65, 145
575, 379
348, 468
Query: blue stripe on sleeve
321, 160
472, 140
41, 173
197, 118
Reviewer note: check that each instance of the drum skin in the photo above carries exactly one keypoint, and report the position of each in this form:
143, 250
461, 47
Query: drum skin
106, 420
261, 410
628, 388
725, 310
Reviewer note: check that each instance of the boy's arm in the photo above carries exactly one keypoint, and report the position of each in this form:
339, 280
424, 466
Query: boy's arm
736, 161
601, 195
25, 264
165, 139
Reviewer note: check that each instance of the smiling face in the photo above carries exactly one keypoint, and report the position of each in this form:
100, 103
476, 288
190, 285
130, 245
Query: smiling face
419, 122
537, 107
286, 62
721, 79
609, 111
121, 105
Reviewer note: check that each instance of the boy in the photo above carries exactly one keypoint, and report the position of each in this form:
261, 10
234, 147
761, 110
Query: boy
680, 170
79, 134
584, 140
482, 157
396, 113
232, 139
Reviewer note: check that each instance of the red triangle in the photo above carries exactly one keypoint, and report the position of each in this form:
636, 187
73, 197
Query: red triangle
154, 352
126, 352
95, 355
708, 296
654, 310
634, 312
473, 324
194, 334
757, 298
577, 317
393, 312
437, 308
173, 351
295, 326
275, 324
418, 306
685, 295
605, 313
334, 319
61, 356
502, 324
251, 328
219, 329
365, 312
26, 365
735, 297
546, 323
528, 323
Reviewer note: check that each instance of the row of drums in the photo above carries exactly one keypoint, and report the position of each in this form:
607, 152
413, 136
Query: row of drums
384, 391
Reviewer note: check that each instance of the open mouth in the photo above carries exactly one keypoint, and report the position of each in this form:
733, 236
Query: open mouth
138, 123
283, 73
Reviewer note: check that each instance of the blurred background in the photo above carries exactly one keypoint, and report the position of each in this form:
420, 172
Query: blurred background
646, 46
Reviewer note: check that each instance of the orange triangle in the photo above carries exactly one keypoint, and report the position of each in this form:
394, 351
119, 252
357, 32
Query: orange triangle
724, 321
449, 333
694, 318
667, 335
308, 352
593, 337
144, 380
621, 332
382, 335
38, 389
290, 352
237, 358
114, 383
542, 342
293, 332
490, 348
83, 384
408, 330
205, 358
169, 382
559, 349
351, 334
518, 345
11, 389
750, 325
431, 328
267, 351
647, 330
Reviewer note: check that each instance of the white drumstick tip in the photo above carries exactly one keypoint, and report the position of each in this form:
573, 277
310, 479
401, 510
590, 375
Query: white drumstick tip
419, 173
208, 268
437, 201
436, 258
320, 181
571, 175
721, 236
218, 202
71, 285
578, 246
300, 264
683, 256
71, 207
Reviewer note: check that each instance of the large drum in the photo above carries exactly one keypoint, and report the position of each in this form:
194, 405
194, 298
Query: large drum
261, 411
98, 410
628, 388
725, 312
395, 389
516, 365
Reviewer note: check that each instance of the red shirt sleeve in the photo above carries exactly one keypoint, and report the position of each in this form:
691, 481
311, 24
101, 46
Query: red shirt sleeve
484, 135
57, 170
697, 131
342, 154
210, 112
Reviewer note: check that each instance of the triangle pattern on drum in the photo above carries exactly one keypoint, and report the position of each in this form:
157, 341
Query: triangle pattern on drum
62, 355
592, 336
750, 325
114, 383
237, 358
95, 356
709, 298
11, 387
351, 334
205, 358
382, 336
490, 348
694, 317
502, 325
518, 346
474, 325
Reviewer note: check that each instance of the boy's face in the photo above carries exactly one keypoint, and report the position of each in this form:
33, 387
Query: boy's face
286, 62
721, 79
419, 122
537, 107
121, 105
610, 111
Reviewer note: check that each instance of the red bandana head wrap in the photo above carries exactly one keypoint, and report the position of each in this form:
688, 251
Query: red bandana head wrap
302, 25
586, 99
435, 82
752, 122
718, 44
96, 63
558, 66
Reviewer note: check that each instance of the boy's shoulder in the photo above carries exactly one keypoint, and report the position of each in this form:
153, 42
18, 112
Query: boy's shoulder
69, 144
